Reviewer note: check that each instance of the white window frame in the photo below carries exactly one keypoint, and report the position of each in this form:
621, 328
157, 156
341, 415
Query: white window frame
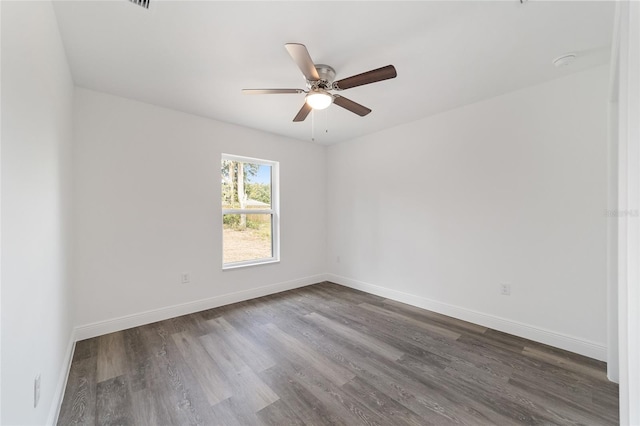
274, 211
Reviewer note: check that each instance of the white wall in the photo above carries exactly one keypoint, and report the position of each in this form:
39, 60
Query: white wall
148, 208
37, 96
512, 190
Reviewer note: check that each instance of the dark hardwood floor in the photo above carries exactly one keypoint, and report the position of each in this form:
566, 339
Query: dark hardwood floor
325, 354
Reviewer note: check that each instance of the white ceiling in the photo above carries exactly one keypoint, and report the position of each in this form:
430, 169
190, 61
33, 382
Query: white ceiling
196, 56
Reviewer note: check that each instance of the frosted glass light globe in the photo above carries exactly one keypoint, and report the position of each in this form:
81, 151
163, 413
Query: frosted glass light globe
319, 99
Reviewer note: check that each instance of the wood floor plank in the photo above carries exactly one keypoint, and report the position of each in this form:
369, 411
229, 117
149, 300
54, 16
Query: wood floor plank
368, 322
114, 403
566, 409
505, 398
436, 401
211, 379
434, 317
432, 405
148, 409
244, 385
327, 344
294, 348
279, 414
186, 323
298, 399
371, 343
138, 358
111, 356
232, 412
354, 297
396, 382
393, 316
333, 399
85, 349
405, 339
564, 362
252, 355
173, 382
328, 355
386, 407
604, 400
79, 404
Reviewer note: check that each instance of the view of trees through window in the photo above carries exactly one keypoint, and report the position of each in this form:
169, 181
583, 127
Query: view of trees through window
247, 213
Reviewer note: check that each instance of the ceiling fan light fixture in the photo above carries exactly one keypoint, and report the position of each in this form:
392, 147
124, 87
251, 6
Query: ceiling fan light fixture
320, 83
318, 99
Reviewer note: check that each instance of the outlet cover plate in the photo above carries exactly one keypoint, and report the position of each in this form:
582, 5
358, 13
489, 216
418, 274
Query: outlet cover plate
505, 289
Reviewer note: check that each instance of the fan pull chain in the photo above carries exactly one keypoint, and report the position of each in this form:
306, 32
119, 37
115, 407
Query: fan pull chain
326, 123
313, 115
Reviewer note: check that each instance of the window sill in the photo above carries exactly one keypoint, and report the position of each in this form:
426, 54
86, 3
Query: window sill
236, 265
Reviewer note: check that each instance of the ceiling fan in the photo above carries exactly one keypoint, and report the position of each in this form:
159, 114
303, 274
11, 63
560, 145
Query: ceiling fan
320, 84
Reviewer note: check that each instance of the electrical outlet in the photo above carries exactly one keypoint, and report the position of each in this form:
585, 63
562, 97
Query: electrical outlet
185, 278
36, 391
505, 289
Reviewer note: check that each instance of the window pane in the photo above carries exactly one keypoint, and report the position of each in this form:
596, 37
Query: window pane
245, 185
246, 237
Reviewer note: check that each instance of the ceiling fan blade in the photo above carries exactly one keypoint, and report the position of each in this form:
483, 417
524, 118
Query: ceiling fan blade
348, 104
270, 91
301, 57
368, 77
302, 114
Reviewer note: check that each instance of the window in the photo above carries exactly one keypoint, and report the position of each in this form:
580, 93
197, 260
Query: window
250, 216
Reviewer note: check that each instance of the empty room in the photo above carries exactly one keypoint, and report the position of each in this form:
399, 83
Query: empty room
320, 212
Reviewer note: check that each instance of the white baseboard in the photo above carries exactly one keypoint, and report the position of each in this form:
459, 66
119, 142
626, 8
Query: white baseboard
58, 395
548, 337
122, 323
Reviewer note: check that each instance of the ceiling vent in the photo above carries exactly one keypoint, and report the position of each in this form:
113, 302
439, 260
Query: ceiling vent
141, 3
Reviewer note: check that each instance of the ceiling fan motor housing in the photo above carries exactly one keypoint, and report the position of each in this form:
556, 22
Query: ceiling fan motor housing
327, 74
